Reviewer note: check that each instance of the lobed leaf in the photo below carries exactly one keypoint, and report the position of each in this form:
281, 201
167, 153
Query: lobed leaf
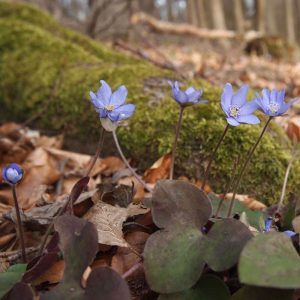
176, 200
173, 259
223, 244
270, 260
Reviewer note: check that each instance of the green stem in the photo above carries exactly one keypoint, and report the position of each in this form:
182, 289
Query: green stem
127, 164
19, 223
178, 127
243, 169
212, 157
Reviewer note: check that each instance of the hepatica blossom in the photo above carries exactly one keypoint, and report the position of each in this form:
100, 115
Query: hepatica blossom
272, 102
187, 98
112, 104
236, 107
12, 173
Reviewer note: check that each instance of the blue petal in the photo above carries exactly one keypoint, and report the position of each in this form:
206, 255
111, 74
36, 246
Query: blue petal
119, 96
226, 97
280, 96
122, 112
285, 106
249, 108
190, 90
180, 96
231, 121
248, 119
239, 98
290, 233
273, 96
171, 83
194, 97
104, 93
96, 102
176, 85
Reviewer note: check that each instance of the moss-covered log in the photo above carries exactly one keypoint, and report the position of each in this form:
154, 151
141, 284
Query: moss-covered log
43, 64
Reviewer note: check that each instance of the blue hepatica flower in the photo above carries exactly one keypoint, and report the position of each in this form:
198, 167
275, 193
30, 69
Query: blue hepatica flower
268, 224
12, 173
272, 102
112, 105
187, 98
236, 107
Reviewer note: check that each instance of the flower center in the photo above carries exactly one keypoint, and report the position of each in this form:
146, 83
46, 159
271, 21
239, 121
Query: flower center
274, 107
234, 111
109, 108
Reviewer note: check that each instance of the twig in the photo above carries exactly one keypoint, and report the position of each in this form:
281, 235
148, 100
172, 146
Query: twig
19, 223
11, 256
98, 150
134, 268
287, 173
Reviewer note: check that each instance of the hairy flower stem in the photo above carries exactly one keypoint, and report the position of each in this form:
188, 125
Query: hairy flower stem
287, 173
19, 223
212, 157
229, 184
98, 150
127, 164
243, 169
178, 126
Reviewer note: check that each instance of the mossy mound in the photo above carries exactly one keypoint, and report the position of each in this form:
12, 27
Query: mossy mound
47, 68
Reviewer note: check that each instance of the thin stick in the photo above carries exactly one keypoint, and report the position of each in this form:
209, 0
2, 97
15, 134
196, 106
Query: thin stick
132, 269
98, 151
229, 184
19, 223
245, 166
178, 126
206, 174
287, 173
127, 164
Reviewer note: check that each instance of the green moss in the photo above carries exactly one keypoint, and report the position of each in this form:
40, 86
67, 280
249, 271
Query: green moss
45, 67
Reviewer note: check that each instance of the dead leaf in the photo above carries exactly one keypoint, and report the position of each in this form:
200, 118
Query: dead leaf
159, 170
248, 201
108, 221
113, 164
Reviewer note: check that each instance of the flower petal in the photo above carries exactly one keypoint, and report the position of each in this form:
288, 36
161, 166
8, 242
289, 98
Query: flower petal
96, 102
122, 112
104, 93
194, 97
180, 96
239, 98
190, 90
171, 83
226, 97
248, 119
119, 96
232, 121
249, 108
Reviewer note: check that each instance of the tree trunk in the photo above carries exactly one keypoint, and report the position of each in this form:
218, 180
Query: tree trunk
201, 16
261, 15
191, 12
218, 14
170, 10
289, 18
239, 16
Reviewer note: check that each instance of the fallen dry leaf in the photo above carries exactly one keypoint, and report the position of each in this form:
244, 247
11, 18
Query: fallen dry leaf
108, 221
159, 170
248, 201
113, 164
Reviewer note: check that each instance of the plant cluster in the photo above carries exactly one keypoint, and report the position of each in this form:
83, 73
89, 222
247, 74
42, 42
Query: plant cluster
204, 247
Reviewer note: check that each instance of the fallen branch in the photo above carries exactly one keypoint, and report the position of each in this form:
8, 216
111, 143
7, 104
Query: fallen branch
187, 29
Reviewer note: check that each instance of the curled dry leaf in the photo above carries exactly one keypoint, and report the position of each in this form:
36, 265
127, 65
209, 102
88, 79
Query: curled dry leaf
159, 170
